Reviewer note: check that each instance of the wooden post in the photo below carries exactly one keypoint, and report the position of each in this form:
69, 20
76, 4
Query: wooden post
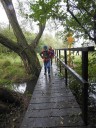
85, 88
69, 60
66, 81
57, 56
59, 61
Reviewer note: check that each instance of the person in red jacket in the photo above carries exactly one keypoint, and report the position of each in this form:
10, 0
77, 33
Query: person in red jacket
52, 54
46, 55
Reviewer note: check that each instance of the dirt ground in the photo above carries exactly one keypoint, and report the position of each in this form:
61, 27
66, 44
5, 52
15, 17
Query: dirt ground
13, 119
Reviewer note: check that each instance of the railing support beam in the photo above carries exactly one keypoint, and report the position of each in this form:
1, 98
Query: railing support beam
85, 87
66, 76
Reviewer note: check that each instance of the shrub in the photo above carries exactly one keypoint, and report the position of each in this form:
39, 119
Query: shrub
6, 63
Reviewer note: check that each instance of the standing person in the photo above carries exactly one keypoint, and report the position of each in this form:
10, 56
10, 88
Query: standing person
46, 55
52, 54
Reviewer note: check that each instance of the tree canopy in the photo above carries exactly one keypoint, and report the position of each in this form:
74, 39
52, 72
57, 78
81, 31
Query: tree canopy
82, 17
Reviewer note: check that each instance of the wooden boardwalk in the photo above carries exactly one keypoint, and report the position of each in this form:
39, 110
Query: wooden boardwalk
52, 104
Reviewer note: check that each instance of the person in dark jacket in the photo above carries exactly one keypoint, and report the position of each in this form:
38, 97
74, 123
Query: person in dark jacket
46, 55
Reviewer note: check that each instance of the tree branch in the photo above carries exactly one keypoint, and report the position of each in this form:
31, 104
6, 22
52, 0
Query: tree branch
86, 32
9, 43
10, 11
37, 38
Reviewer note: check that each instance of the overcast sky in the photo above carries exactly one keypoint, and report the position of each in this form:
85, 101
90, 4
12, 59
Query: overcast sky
3, 17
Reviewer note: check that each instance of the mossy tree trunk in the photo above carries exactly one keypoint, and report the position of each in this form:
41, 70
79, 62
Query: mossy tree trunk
21, 47
30, 60
28, 55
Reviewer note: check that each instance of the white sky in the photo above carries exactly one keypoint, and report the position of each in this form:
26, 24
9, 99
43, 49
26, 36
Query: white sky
3, 17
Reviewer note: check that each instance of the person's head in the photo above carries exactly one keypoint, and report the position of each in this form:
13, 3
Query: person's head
45, 47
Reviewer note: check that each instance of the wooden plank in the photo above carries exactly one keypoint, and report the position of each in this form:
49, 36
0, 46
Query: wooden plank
56, 94
52, 105
55, 122
44, 95
53, 99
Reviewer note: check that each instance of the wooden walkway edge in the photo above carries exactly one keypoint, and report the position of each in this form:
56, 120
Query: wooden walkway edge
52, 104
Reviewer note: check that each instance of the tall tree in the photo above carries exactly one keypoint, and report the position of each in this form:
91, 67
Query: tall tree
42, 10
21, 47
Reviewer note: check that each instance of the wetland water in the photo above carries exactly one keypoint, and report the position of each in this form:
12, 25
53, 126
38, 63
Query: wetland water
26, 87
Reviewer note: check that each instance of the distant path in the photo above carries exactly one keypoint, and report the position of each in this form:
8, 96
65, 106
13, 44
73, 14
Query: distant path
52, 104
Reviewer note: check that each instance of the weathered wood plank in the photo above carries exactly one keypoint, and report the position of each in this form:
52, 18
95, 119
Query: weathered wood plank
52, 105
53, 94
71, 112
54, 100
55, 122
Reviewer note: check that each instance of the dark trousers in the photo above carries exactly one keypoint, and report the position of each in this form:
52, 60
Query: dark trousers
47, 66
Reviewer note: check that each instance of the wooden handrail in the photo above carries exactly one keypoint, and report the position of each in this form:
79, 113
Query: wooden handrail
82, 79
76, 75
91, 48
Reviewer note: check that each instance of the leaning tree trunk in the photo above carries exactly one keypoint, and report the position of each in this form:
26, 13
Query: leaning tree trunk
31, 61
26, 52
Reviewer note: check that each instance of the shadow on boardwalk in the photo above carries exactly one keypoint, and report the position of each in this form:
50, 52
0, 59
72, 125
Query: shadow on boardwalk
52, 104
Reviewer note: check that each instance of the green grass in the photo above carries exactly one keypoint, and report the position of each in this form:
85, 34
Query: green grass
11, 69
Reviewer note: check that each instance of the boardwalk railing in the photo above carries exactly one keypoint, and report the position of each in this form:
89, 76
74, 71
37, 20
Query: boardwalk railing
82, 79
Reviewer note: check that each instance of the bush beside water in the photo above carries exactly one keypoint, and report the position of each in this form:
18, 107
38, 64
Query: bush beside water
11, 70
